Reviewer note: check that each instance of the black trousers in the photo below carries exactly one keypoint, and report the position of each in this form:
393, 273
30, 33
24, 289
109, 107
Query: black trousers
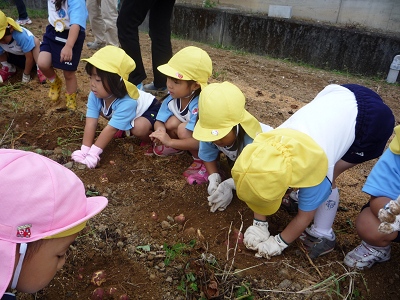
131, 15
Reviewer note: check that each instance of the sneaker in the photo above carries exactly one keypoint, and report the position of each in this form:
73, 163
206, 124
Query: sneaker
42, 79
95, 45
366, 255
149, 148
55, 89
317, 246
290, 202
120, 134
162, 150
193, 168
199, 177
149, 88
6, 73
26, 21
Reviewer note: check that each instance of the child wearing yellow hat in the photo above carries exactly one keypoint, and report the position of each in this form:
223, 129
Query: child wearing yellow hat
187, 74
342, 127
378, 224
113, 97
224, 126
18, 47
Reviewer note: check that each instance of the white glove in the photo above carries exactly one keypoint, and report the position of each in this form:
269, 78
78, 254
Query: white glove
213, 182
26, 78
272, 247
389, 215
222, 197
256, 234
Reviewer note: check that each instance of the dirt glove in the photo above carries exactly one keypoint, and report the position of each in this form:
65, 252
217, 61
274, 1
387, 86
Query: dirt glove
79, 155
93, 157
214, 180
389, 215
256, 234
222, 197
272, 247
26, 78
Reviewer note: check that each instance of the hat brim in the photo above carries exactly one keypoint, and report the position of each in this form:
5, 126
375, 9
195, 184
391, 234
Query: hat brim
7, 263
270, 207
209, 135
169, 71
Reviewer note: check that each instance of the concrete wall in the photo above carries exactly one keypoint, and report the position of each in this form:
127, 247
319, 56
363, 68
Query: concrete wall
374, 14
323, 46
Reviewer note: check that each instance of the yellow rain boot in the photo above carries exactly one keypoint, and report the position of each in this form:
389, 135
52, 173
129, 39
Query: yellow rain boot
71, 101
55, 89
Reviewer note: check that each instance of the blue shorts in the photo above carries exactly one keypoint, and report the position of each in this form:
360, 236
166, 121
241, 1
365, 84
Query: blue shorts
151, 113
397, 239
374, 126
54, 41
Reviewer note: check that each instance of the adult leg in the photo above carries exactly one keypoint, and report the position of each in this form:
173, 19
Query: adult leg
96, 20
109, 14
22, 14
131, 16
160, 34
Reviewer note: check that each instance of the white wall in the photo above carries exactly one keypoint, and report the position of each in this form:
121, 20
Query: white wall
373, 14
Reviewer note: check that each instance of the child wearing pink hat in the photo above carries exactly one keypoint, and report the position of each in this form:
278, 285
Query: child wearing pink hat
43, 208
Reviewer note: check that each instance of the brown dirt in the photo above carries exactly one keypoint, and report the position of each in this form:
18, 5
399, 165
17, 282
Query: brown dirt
137, 185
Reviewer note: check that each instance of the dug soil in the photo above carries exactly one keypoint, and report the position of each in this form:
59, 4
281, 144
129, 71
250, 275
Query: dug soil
147, 257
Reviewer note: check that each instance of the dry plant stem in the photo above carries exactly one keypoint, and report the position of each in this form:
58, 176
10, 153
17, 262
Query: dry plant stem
58, 128
5, 133
17, 138
310, 260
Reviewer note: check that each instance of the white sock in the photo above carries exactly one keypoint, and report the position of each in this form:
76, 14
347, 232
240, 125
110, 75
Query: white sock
325, 215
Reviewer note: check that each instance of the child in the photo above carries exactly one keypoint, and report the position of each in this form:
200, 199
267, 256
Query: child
62, 46
342, 127
383, 184
18, 46
187, 73
43, 208
117, 100
224, 126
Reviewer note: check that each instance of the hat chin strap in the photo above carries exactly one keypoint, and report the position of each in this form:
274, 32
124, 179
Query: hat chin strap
17, 272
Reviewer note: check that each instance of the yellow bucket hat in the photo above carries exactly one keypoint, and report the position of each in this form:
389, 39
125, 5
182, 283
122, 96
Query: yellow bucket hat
395, 143
115, 60
190, 63
221, 107
4, 22
276, 160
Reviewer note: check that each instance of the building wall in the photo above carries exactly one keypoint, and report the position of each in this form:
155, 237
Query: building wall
374, 14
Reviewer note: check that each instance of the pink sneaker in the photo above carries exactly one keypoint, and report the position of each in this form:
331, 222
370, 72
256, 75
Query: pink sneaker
162, 150
193, 168
42, 79
6, 73
199, 177
120, 134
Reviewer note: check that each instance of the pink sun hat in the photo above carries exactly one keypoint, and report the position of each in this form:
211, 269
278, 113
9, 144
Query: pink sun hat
39, 198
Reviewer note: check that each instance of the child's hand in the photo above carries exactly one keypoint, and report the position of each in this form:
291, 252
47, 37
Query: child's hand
390, 217
222, 197
256, 234
271, 247
79, 155
160, 136
93, 157
214, 180
66, 54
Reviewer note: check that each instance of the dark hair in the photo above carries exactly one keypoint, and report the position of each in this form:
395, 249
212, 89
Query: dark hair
112, 82
240, 139
8, 31
58, 4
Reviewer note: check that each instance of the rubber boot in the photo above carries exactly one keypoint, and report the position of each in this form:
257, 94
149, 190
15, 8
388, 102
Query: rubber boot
55, 89
70, 101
